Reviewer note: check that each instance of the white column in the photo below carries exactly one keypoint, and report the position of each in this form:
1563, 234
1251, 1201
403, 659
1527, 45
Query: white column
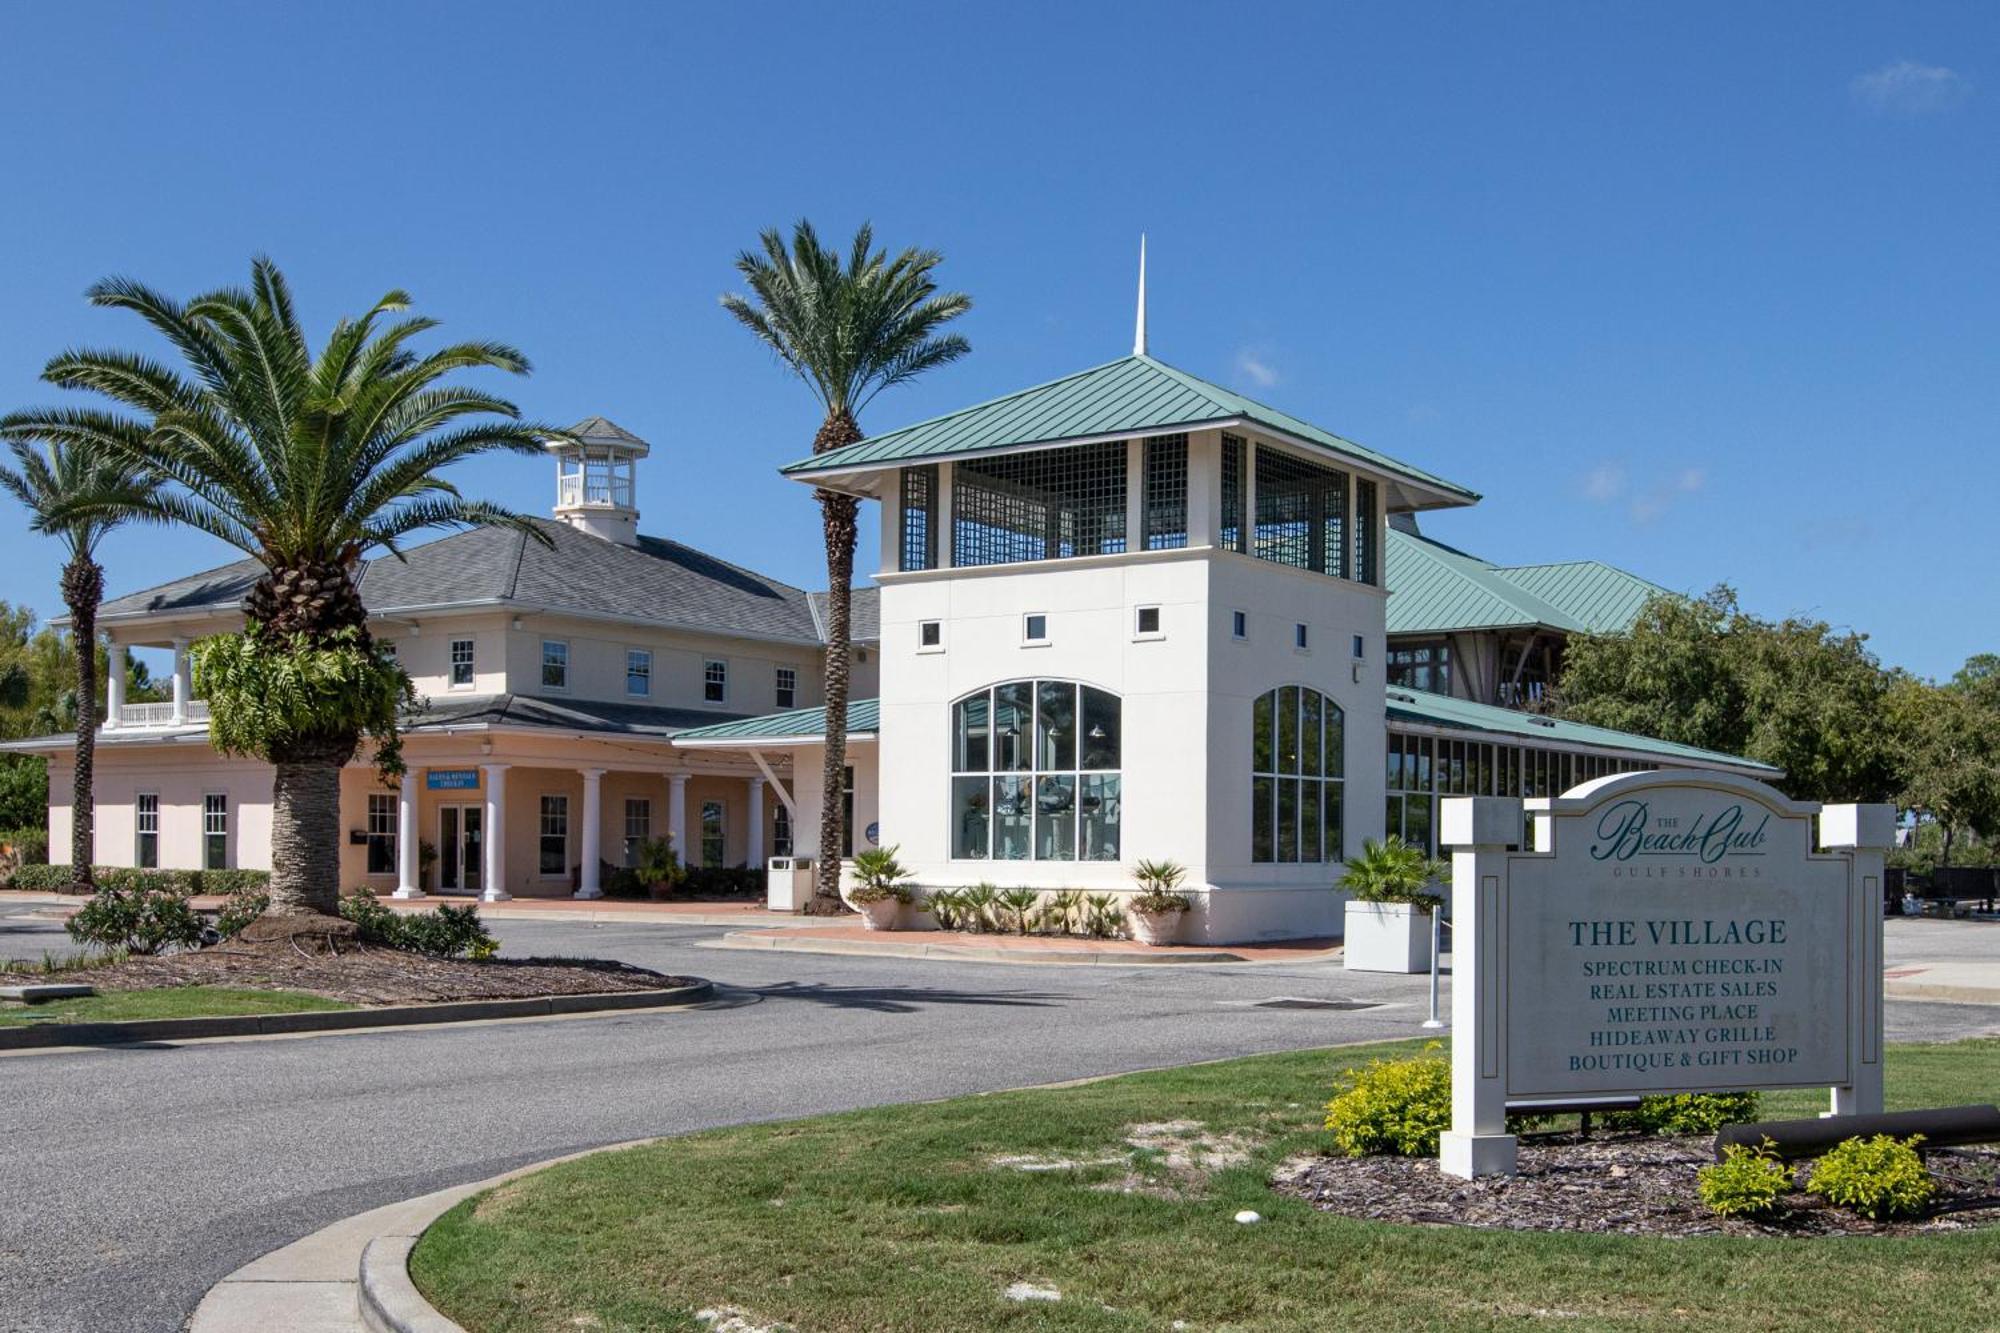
1862, 832
114, 686
181, 683
945, 523
494, 879
1204, 498
754, 856
406, 838
1478, 829
677, 814
1249, 496
593, 832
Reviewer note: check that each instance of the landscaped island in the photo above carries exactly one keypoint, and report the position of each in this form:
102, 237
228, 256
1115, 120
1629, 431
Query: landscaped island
1112, 1206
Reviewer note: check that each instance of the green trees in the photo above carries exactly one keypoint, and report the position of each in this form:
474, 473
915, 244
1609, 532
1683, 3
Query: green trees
1949, 737
307, 463
53, 477
849, 330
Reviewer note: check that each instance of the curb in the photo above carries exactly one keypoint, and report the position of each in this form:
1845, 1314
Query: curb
387, 1299
343, 1020
1946, 994
973, 953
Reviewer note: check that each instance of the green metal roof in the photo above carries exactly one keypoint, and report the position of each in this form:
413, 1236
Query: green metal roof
1463, 715
1434, 589
799, 724
1136, 395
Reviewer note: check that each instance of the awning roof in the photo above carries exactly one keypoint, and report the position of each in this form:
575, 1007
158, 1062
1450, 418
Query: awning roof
1437, 710
799, 726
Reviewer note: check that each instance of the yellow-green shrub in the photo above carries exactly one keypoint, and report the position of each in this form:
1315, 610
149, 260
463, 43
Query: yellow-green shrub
1398, 1107
1877, 1177
1747, 1182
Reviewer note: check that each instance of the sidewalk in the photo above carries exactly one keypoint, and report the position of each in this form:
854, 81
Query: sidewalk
627, 910
818, 935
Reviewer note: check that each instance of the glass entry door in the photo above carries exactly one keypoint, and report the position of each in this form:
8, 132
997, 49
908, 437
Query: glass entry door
460, 855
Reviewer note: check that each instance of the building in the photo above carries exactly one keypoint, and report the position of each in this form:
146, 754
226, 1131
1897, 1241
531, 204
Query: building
1126, 614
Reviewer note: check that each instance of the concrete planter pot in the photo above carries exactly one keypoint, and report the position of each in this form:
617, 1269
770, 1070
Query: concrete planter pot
1387, 937
881, 914
1153, 927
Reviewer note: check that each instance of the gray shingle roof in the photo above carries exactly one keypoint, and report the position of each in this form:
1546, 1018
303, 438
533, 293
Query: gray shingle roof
518, 710
657, 581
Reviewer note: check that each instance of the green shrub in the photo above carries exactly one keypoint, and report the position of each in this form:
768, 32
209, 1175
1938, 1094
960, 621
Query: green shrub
448, 932
1687, 1113
246, 904
229, 882
1747, 1182
1397, 1107
723, 882
55, 879
947, 907
879, 877
31, 845
1877, 1177
40, 878
138, 920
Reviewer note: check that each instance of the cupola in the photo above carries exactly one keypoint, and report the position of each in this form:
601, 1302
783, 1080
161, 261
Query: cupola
594, 482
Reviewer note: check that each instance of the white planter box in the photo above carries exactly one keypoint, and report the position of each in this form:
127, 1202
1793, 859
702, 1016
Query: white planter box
1387, 937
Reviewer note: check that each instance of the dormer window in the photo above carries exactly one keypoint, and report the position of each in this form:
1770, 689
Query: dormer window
555, 664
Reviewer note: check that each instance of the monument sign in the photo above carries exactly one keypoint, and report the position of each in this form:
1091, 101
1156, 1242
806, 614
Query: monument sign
1669, 932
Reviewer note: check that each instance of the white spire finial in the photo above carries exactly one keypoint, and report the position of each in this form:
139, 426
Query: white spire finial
1139, 328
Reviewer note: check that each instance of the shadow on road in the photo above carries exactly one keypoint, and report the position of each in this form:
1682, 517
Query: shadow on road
905, 999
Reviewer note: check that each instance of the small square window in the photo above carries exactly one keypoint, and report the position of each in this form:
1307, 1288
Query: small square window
1035, 627
1300, 640
715, 681
1149, 620
1239, 625
1360, 647
930, 634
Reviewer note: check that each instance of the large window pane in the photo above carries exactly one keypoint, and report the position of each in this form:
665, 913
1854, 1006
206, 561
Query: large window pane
1102, 730
1055, 819
1288, 729
1261, 738
970, 735
1262, 818
1417, 822
1334, 842
1309, 821
1099, 807
1309, 736
971, 801
1013, 727
1055, 725
1392, 818
1013, 818
1336, 740
1288, 819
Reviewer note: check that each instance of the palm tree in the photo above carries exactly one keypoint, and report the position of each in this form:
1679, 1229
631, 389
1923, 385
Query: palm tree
849, 330
46, 480
307, 463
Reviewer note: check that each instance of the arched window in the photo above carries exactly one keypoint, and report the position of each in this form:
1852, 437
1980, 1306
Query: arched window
1034, 767
1298, 758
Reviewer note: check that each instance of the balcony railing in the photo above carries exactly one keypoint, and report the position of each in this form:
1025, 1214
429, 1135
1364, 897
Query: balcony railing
161, 715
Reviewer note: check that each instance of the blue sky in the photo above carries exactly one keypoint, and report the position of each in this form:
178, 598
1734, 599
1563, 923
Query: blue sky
1706, 291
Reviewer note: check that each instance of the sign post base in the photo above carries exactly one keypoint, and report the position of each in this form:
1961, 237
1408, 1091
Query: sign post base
1469, 1156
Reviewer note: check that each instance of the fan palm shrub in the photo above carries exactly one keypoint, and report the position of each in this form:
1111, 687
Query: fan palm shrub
51, 474
307, 462
1394, 871
849, 329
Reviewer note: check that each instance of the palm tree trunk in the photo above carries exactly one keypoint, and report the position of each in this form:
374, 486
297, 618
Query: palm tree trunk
838, 513
83, 590
305, 838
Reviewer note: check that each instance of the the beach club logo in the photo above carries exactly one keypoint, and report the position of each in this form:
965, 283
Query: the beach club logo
1629, 829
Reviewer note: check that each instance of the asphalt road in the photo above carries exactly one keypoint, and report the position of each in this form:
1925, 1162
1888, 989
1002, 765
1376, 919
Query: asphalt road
135, 1178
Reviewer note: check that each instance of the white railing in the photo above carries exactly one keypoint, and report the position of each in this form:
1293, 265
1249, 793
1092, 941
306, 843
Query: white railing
161, 715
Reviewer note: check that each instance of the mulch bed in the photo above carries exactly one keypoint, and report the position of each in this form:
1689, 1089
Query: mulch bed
365, 974
1635, 1186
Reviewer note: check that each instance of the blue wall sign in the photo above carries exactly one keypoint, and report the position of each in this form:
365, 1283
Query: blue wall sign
452, 779
874, 833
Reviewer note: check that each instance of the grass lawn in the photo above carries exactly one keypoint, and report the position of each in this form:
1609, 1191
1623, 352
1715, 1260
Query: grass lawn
166, 1002
898, 1218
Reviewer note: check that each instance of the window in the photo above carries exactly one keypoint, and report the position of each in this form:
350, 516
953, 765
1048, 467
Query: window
781, 831
389, 647
1298, 766
1300, 637
1166, 492
638, 827
1046, 505
1410, 804
1421, 666
920, 491
715, 681
381, 833
788, 687
1035, 773
638, 672
1367, 563
1239, 625
1360, 647
1233, 453
930, 634
1148, 620
215, 831
555, 664
461, 664
148, 816
552, 846
713, 838
1035, 627
1301, 513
